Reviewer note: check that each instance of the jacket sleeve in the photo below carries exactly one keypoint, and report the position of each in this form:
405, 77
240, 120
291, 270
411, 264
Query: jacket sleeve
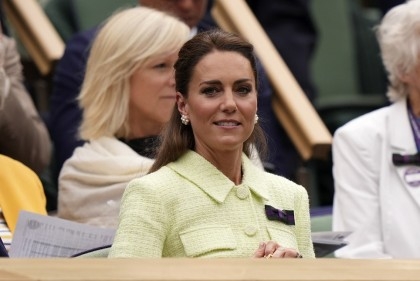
142, 227
303, 225
24, 135
356, 205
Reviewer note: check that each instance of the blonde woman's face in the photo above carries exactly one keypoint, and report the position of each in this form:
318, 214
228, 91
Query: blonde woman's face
152, 97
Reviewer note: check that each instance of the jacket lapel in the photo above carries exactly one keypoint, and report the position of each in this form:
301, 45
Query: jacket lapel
402, 142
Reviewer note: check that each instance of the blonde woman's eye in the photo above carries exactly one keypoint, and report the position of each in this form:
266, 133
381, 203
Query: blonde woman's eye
160, 65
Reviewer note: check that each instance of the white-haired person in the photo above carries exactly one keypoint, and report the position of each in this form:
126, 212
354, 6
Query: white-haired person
376, 156
127, 96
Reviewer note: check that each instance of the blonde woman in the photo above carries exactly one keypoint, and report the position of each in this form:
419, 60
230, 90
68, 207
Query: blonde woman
127, 96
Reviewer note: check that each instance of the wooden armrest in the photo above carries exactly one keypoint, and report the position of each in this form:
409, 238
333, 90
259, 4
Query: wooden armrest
36, 32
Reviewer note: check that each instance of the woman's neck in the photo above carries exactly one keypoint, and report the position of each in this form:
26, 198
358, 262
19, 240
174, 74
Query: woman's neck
414, 99
228, 162
141, 129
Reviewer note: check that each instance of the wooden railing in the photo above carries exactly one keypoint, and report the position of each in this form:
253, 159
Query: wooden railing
293, 109
79, 269
37, 34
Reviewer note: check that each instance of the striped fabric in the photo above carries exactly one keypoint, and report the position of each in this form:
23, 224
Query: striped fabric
5, 233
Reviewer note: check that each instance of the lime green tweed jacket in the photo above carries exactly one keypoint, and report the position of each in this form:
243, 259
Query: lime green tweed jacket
188, 208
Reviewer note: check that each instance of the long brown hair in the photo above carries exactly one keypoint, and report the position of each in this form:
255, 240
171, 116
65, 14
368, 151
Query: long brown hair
177, 138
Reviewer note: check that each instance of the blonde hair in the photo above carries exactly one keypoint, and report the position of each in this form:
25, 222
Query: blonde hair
398, 36
123, 44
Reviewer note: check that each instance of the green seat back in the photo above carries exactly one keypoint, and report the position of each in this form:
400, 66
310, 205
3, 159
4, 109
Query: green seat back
92, 12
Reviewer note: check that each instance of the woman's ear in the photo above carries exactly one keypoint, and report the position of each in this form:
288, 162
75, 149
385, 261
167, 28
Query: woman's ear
181, 104
404, 75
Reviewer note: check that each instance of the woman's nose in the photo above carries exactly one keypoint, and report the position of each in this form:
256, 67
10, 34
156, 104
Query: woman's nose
172, 79
229, 103
185, 5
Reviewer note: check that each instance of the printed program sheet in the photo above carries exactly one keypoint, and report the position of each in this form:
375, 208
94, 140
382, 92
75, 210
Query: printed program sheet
39, 236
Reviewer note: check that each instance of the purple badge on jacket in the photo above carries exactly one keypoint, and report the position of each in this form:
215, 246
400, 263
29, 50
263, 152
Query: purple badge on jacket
285, 216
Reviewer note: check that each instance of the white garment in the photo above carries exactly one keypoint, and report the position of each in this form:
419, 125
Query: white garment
372, 197
93, 180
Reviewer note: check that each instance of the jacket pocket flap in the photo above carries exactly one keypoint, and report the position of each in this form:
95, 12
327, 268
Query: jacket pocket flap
199, 241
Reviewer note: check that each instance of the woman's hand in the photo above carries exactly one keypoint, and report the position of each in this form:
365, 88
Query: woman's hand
272, 249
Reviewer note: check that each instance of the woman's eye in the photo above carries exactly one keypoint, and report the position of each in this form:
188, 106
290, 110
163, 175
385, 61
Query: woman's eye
244, 90
209, 90
160, 65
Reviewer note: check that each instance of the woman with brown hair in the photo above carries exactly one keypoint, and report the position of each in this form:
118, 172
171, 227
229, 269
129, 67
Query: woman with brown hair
204, 197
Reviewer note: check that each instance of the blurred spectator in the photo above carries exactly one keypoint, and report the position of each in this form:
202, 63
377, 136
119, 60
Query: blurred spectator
24, 135
20, 189
127, 96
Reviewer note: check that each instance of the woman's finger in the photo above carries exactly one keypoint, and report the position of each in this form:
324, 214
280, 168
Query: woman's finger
260, 252
283, 252
271, 248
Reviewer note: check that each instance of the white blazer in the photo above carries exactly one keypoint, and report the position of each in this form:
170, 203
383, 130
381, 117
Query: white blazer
372, 197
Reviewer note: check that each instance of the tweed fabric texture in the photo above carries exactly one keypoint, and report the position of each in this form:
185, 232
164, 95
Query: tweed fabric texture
190, 209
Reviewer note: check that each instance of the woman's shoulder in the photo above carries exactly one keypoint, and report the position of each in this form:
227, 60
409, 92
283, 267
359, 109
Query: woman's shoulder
279, 191
258, 178
267, 183
280, 181
368, 123
103, 150
161, 179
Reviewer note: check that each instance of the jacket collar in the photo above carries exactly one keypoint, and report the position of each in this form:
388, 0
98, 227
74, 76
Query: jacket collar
215, 184
400, 132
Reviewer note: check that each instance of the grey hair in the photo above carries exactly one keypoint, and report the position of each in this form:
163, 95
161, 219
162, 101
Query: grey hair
399, 40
